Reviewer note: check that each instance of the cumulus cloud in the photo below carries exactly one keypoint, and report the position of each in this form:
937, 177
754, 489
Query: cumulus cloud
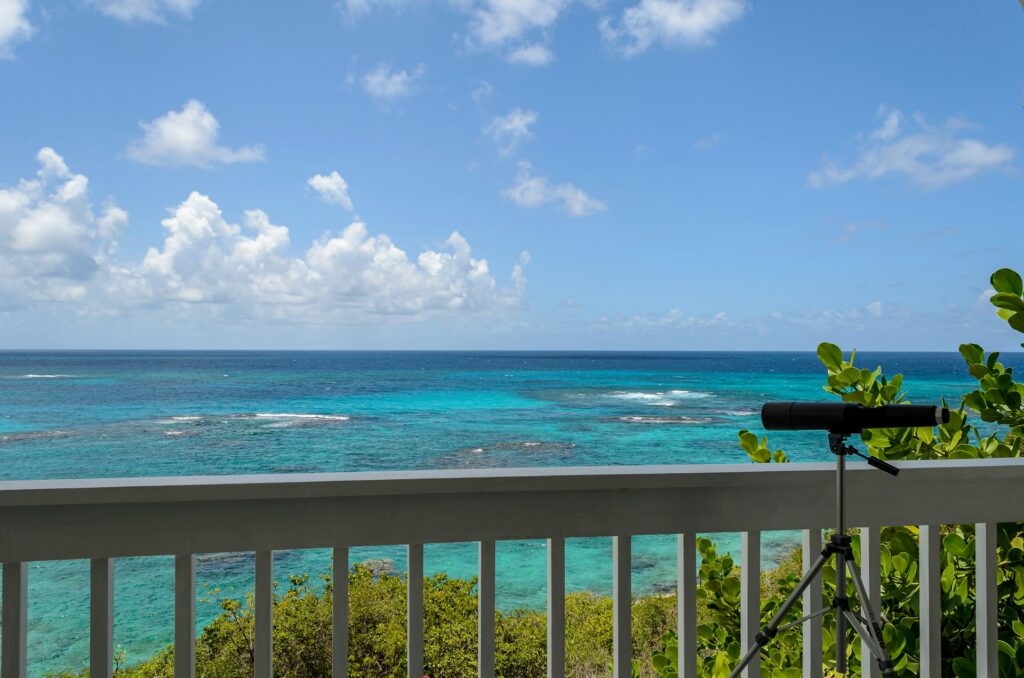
14, 26
51, 242
932, 156
152, 11
532, 190
673, 319
331, 188
187, 137
53, 250
518, 28
386, 84
531, 55
671, 23
509, 130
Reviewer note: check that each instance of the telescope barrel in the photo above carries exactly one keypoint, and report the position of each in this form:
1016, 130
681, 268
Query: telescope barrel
848, 417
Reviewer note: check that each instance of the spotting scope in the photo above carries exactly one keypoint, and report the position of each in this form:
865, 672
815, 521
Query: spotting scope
848, 417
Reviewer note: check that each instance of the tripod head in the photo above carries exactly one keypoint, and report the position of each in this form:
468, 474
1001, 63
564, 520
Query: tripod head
837, 445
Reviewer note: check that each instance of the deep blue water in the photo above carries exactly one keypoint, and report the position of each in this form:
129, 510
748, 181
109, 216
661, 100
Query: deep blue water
108, 414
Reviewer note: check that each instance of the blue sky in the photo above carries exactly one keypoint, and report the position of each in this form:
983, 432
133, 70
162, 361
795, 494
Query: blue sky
647, 174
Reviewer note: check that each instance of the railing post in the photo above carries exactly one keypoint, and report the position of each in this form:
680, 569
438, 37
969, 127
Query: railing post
750, 598
414, 636
686, 606
101, 618
15, 620
622, 607
185, 616
485, 611
930, 577
812, 660
871, 575
264, 594
556, 607
339, 618
985, 560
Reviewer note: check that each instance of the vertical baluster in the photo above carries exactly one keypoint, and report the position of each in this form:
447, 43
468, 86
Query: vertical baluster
750, 598
485, 599
15, 621
812, 660
339, 619
264, 641
101, 618
622, 609
985, 596
686, 587
871, 575
185, 616
930, 572
415, 612
556, 607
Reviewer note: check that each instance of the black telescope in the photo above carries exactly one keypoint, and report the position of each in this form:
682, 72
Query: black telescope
848, 417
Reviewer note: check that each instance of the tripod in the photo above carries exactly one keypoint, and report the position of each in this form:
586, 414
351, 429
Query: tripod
865, 624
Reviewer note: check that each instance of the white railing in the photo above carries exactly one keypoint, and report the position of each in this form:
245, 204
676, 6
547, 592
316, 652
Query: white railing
109, 518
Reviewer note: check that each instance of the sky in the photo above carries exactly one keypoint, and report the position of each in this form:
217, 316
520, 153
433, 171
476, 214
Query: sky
508, 174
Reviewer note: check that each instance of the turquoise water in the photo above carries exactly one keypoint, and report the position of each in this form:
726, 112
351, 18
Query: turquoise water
100, 414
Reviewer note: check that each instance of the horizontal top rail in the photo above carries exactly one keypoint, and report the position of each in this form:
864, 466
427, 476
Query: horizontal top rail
86, 518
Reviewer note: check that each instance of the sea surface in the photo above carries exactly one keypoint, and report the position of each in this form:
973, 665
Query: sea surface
119, 414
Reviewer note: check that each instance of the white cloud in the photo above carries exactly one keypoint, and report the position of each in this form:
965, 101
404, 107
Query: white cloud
14, 26
332, 188
386, 84
187, 137
497, 23
708, 142
531, 190
674, 319
54, 251
531, 55
482, 92
930, 155
50, 239
672, 23
153, 11
509, 130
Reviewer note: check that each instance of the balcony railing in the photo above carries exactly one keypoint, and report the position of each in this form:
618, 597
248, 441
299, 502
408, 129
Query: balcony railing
109, 518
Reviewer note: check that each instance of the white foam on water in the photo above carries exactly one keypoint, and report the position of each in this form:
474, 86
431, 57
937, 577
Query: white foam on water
739, 413
660, 398
293, 415
666, 420
45, 376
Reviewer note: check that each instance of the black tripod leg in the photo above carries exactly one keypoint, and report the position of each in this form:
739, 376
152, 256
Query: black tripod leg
772, 628
874, 630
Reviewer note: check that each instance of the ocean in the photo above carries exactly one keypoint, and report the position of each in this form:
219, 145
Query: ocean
139, 413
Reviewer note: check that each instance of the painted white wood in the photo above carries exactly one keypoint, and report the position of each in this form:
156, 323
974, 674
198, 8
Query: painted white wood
414, 637
985, 562
622, 607
14, 643
485, 610
264, 637
46, 520
185, 616
871, 575
339, 615
750, 597
686, 586
101, 618
929, 575
556, 607
812, 602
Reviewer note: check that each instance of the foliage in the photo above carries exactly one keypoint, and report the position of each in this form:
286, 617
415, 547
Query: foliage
997, 401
